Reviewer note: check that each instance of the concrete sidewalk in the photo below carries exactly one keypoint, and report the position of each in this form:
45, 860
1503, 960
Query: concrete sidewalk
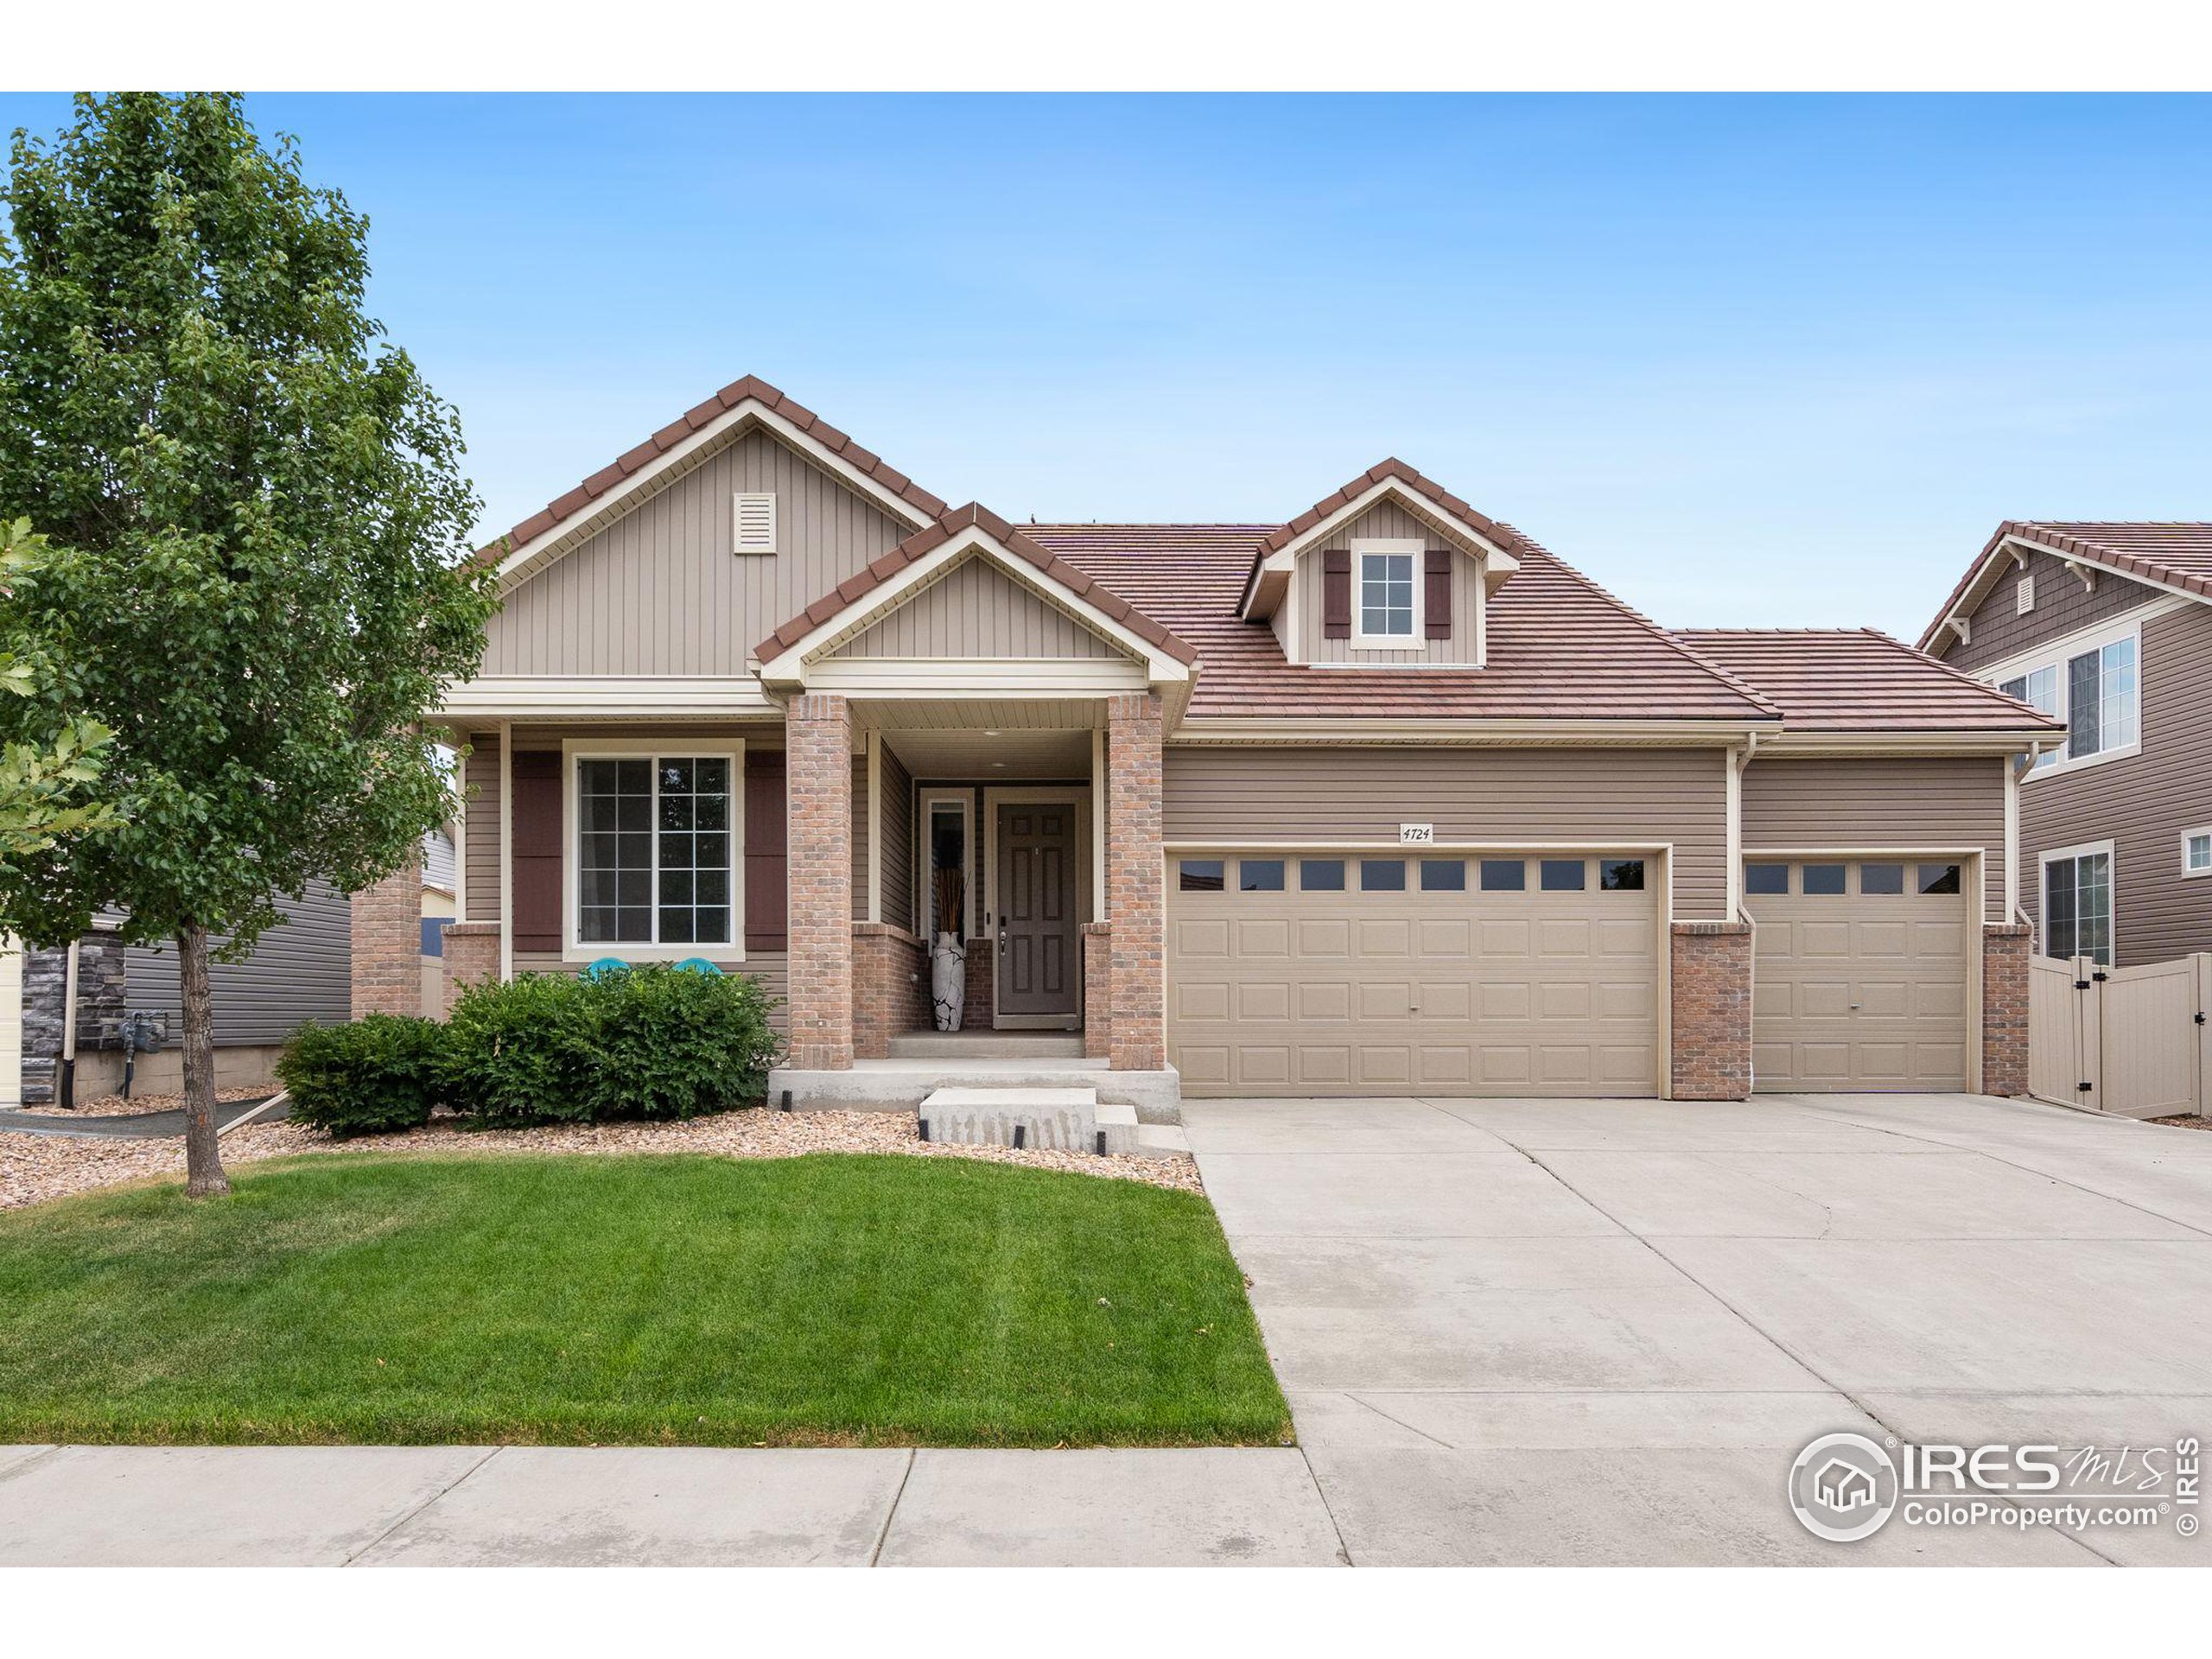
534, 1506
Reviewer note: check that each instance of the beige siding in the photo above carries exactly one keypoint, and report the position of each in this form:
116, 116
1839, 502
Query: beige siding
481, 775
977, 611
2062, 607
2142, 803
1872, 804
1592, 798
1388, 519
861, 828
659, 592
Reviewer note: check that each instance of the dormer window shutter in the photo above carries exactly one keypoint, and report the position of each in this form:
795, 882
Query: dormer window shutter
754, 517
1436, 592
1336, 593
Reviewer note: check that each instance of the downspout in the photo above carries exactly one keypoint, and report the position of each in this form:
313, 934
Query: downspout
1743, 911
65, 1093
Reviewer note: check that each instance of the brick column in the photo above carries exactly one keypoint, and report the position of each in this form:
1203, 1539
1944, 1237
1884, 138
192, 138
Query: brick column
472, 956
2005, 953
387, 928
818, 804
1135, 904
1098, 990
1712, 1011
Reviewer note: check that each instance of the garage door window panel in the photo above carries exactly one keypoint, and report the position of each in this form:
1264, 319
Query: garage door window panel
1321, 875
1881, 880
1620, 875
1504, 876
1823, 881
1939, 880
1381, 875
1259, 875
1443, 875
1202, 875
1766, 878
1563, 875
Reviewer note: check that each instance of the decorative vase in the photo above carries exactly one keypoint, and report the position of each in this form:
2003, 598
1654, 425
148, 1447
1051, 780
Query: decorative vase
949, 981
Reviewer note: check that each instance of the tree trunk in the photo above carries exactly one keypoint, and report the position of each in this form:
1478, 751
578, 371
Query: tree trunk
203, 1158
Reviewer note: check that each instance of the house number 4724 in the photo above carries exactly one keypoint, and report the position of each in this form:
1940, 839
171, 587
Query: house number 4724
1416, 835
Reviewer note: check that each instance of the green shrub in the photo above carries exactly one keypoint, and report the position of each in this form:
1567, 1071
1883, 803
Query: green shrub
376, 1076
646, 1042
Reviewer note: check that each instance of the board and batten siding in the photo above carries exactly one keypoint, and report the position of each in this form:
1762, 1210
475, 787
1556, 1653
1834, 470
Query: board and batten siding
481, 778
1593, 797
300, 969
976, 610
2143, 804
899, 851
2064, 605
1858, 802
660, 592
1388, 519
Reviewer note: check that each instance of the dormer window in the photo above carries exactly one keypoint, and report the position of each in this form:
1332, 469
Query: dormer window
1388, 573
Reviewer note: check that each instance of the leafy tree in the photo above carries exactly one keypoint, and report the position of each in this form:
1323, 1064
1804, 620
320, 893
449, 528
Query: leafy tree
41, 787
259, 523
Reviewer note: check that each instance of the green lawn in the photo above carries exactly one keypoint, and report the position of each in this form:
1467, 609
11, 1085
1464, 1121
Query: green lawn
641, 1299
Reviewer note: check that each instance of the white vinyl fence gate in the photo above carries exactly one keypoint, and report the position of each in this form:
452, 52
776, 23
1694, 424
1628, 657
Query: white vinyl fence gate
2131, 1041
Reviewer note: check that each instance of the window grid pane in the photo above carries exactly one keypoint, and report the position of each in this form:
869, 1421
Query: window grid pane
2200, 853
1386, 594
654, 854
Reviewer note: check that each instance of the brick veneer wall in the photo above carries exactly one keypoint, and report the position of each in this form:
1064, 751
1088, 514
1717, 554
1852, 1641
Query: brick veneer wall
1711, 1010
818, 795
472, 954
982, 966
1134, 901
387, 928
2005, 951
891, 990
1098, 990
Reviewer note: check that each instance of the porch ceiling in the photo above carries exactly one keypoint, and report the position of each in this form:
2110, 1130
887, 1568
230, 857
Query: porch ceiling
1011, 755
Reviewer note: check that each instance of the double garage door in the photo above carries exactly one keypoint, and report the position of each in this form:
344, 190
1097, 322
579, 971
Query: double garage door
1860, 976
1334, 974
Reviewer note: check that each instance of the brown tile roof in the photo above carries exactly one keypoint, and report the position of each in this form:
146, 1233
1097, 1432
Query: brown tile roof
626, 466
1560, 647
1092, 590
1857, 680
2179, 554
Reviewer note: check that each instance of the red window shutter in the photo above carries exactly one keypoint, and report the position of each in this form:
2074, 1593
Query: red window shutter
1436, 584
535, 825
1336, 593
767, 856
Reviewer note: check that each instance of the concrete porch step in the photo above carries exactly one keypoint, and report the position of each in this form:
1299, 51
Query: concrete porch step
1064, 1120
902, 1085
985, 1044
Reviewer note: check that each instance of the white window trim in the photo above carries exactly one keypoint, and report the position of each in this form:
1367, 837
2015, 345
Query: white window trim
575, 948
2055, 656
927, 803
2043, 860
2188, 835
1366, 547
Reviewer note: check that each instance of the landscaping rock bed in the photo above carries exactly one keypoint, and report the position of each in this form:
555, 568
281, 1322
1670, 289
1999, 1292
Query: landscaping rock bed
140, 1105
34, 1169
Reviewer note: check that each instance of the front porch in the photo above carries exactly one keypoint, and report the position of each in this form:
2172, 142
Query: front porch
989, 864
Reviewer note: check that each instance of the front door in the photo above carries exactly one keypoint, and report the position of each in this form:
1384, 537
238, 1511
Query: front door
1039, 971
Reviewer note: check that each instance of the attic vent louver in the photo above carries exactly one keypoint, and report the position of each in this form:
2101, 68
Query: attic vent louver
755, 519
2026, 599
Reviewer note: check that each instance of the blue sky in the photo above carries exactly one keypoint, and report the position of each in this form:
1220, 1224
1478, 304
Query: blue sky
1745, 361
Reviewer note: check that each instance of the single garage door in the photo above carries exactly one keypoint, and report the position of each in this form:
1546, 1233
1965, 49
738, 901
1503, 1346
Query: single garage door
1328, 974
1860, 977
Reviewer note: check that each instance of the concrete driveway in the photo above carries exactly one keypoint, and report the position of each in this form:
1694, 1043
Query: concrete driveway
1585, 1331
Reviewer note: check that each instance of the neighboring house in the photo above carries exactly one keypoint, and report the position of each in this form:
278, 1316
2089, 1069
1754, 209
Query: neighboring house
2107, 628
300, 969
1384, 799
441, 875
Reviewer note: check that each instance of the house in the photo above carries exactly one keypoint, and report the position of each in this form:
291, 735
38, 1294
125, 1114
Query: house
2108, 628
300, 969
1383, 798
1844, 1486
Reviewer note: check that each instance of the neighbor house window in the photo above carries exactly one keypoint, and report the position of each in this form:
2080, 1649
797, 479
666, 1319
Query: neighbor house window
2097, 691
1387, 582
2077, 906
2039, 688
2197, 852
654, 850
